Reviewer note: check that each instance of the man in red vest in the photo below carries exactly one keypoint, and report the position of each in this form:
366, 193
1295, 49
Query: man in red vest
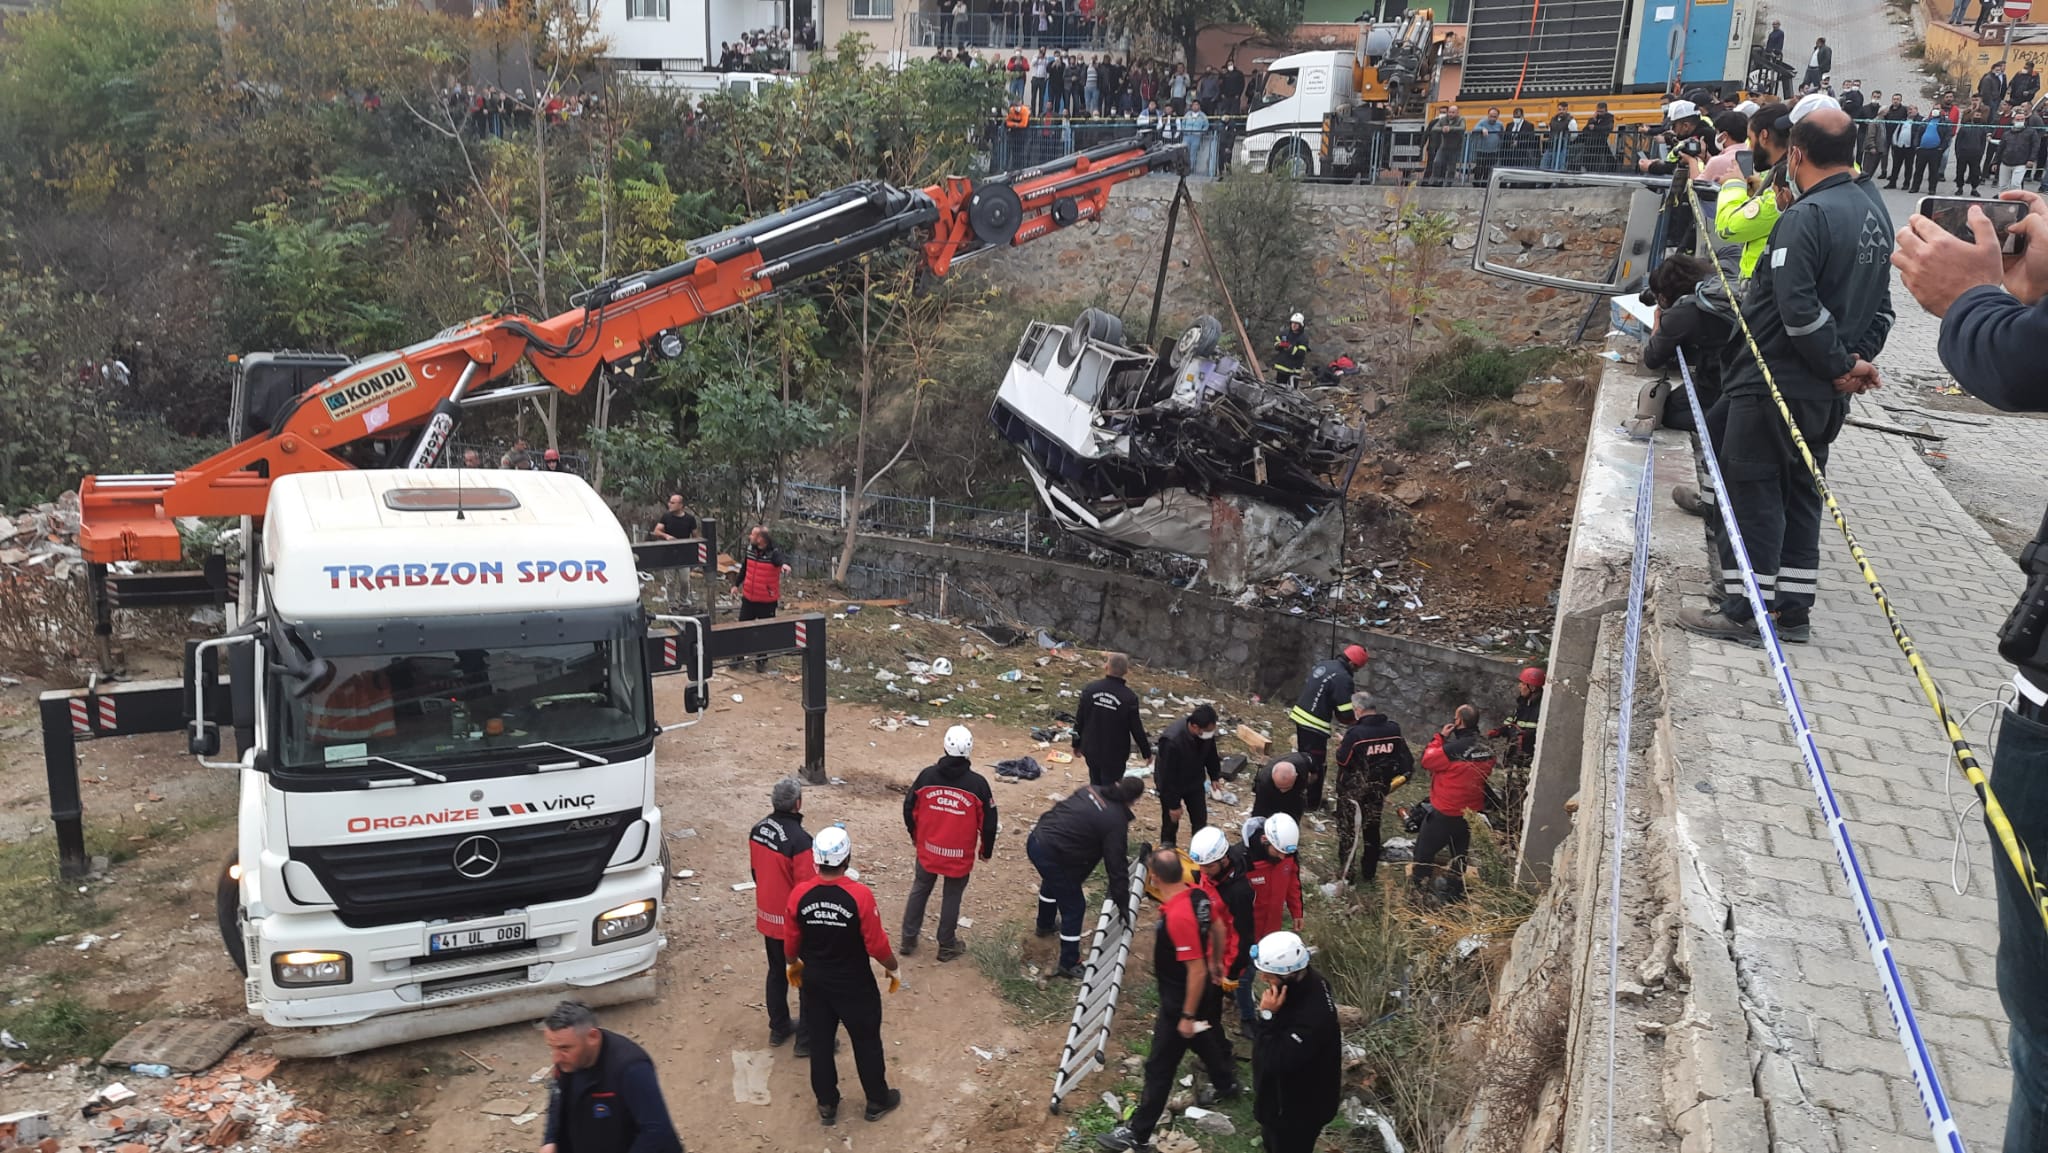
949, 810
834, 931
779, 849
762, 568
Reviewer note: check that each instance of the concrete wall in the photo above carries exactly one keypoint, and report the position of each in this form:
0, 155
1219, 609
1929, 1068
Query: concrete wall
1566, 232
1245, 649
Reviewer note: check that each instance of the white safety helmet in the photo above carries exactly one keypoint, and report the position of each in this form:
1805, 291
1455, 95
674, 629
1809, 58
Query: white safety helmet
1280, 953
1678, 110
1297, 318
942, 667
1250, 828
831, 847
959, 741
1282, 833
1208, 845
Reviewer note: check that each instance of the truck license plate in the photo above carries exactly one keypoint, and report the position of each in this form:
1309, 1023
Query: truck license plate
458, 940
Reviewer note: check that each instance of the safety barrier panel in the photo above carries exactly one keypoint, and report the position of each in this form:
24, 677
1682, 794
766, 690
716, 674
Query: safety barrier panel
1638, 581
1095, 1004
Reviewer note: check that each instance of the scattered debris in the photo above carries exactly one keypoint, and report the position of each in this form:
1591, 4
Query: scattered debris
1020, 768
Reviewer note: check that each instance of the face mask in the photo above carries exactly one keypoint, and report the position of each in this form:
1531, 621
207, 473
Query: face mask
1207, 735
1791, 177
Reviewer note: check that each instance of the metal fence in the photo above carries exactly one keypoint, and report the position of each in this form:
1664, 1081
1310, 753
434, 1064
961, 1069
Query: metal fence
924, 517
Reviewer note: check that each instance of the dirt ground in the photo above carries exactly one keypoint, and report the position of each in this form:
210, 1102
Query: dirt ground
169, 822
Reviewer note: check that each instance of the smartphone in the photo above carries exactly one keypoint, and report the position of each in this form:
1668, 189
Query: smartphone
1953, 214
1745, 163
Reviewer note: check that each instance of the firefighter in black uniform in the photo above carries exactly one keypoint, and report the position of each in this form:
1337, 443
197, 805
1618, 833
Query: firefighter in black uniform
1372, 760
1325, 704
1521, 729
1226, 869
1183, 770
1107, 721
1290, 351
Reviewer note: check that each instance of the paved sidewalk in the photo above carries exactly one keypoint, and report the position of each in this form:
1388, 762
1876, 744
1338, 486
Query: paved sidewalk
1843, 1083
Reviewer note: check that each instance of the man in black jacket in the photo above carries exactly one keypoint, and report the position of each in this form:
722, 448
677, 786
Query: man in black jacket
1898, 157
1972, 139
1371, 758
604, 1097
1323, 708
1820, 309
1994, 324
1298, 1054
1107, 721
1991, 86
2024, 87
1279, 787
1186, 766
1088, 828
1819, 64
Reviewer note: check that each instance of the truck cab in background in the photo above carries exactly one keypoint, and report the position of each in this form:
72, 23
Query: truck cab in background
1321, 112
447, 809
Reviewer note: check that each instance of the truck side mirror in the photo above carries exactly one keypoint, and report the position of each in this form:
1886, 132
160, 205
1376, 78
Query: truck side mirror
202, 738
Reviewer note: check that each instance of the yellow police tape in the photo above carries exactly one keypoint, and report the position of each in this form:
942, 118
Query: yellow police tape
1994, 813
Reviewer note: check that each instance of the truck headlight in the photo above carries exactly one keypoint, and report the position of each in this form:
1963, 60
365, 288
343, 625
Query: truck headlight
309, 967
629, 920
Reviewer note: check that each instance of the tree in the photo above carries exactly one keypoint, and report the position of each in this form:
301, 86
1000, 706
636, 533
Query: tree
1182, 21
1260, 231
1399, 263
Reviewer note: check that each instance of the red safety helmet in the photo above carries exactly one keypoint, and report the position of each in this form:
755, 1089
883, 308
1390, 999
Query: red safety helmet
552, 454
1533, 677
1355, 656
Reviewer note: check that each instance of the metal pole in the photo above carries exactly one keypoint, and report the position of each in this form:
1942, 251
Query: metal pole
1027, 508
60, 767
842, 506
1159, 283
931, 518
814, 702
1216, 272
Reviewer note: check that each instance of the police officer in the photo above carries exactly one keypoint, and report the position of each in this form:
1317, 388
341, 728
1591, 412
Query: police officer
1820, 310
1298, 1054
1089, 828
1189, 954
1107, 721
1290, 351
949, 810
1325, 704
1184, 769
1226, 870
604, 1098
834, 929
1371, 761
779, 853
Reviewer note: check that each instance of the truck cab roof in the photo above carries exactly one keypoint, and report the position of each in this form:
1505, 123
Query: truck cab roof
378, 543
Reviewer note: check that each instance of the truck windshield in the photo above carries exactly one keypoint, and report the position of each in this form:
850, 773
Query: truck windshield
1279, 86
443, 708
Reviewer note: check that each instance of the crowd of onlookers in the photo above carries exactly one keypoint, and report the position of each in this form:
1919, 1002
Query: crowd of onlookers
765, 49
488, 110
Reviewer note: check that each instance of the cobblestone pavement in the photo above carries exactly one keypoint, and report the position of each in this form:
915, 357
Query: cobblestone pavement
1843, 1083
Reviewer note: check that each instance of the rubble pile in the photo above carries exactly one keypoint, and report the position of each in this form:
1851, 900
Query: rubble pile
233, 1108
45, 536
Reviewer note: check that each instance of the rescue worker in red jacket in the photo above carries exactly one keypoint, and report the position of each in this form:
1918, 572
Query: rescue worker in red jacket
1226, 872
779, 851
1459, 763
1189, 954
949, 811
1273, 846
834, 929
759, 580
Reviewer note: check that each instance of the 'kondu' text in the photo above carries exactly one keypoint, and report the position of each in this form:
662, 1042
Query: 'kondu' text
462, 572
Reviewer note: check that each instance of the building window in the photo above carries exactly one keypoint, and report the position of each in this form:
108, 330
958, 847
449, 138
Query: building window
646, 9
872, 9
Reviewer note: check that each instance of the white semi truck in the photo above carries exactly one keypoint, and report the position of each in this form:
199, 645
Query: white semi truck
448, 815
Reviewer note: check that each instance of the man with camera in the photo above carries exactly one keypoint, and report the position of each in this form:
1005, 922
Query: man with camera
1991, 293
1686, 153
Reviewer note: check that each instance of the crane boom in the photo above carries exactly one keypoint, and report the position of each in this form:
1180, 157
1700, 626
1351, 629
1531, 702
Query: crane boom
416, 394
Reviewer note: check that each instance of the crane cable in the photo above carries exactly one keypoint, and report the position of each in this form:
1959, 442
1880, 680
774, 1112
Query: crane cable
1528, 48
2016, 852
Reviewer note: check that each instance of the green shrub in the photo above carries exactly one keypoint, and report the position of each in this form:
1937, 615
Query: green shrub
1470, 369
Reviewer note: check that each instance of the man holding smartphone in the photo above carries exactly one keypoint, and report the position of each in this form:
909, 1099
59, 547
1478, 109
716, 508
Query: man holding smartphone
1993, 306
1820, 309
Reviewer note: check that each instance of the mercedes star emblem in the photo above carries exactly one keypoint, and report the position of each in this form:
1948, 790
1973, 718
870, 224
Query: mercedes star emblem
477, 857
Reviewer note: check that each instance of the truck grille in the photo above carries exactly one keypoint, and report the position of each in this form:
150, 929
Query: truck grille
414, 879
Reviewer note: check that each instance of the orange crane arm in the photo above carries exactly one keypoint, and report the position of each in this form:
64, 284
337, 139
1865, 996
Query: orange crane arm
410, 399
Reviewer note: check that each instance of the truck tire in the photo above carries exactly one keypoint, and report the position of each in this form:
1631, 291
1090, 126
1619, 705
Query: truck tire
1092, 324
1198, 341
667, 871
1292, 161
227, 908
